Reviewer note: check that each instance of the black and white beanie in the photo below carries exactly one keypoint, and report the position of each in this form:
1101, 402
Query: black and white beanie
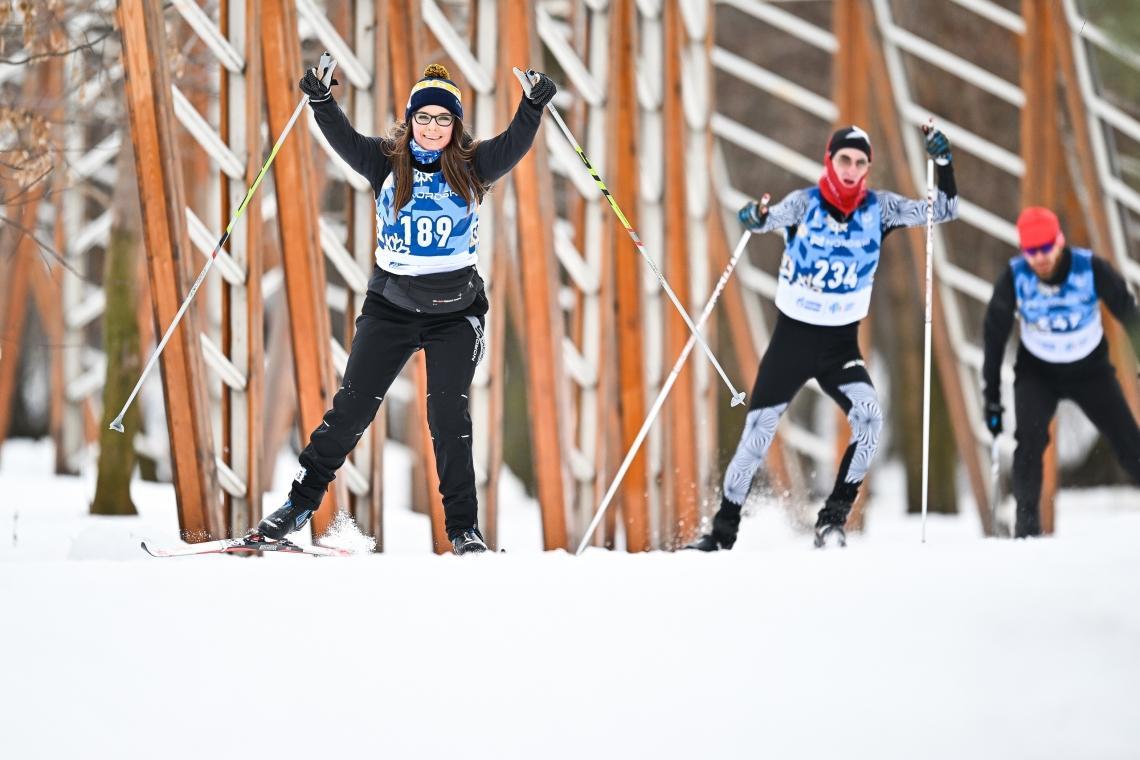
849, 137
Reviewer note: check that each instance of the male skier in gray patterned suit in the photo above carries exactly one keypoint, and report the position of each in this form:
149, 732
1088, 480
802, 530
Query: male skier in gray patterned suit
834, 233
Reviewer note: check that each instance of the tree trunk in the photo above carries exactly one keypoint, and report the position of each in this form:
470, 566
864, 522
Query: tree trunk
121, 343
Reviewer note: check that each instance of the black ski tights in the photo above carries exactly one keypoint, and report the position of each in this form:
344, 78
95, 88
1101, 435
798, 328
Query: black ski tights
1035, 394
383, 344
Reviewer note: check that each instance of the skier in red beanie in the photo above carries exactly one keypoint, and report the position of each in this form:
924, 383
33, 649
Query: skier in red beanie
1055, 291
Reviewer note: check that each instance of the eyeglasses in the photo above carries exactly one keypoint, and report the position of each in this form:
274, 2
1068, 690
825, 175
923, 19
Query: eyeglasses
442, 119
1038, 250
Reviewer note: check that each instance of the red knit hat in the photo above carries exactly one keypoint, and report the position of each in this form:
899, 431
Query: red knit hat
1037, 227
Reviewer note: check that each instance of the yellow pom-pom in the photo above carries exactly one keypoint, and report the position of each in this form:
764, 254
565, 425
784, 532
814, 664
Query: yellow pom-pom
436, 71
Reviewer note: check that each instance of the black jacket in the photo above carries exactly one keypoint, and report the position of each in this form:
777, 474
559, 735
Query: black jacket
1112, 291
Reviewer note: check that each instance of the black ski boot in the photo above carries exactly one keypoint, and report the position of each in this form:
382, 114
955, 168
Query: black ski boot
725, 526
1027, 521
469, 541
284, 521
829, 524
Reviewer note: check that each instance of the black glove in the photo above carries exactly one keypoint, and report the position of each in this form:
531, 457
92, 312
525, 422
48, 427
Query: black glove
993, 412
752, 216
312, 86
938, 147
541, 91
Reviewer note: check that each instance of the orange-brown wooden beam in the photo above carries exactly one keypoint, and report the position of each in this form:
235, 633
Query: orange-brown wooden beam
381, 99
496, 254
623, 185
243, 334
1040, 150
945, 359
852, 94
547, 386
402, 65
19, 252
681, 439
171, 265
297, 222
1093, 201
15, 273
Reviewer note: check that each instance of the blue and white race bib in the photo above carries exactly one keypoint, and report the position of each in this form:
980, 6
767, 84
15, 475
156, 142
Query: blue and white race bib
1058, 323
829, 267
436, 231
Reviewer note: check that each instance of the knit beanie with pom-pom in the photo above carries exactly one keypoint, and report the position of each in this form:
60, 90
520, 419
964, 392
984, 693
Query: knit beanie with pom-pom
435, 89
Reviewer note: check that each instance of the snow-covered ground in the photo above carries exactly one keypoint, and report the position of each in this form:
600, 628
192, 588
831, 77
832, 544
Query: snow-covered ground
959, 648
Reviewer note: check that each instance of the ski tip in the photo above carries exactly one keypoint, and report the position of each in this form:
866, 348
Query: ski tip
146, 549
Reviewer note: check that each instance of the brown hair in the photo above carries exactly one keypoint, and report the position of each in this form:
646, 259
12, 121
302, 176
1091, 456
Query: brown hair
456, 162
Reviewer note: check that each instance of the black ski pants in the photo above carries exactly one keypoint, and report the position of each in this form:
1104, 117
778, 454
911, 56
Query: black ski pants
386, 337
1037, 389
797, 353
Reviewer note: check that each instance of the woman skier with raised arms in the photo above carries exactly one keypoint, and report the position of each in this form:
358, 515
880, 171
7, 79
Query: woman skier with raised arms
429, 177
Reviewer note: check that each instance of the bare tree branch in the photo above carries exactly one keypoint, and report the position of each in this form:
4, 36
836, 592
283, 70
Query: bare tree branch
90, 45
44, 248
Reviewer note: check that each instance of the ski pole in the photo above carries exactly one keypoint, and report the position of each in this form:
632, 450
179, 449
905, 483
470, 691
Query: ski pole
326, 65
995, 483
665, 388
737, 396
926, 333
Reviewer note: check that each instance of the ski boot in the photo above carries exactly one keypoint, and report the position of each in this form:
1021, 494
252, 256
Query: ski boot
1027, 521
284, 521
469, 541
829, 524
725, 526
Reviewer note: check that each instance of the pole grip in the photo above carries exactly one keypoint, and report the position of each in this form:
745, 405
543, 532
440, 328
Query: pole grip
524, 78
325, 68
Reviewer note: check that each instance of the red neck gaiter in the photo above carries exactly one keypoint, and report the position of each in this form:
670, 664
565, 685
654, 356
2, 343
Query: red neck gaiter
844, 198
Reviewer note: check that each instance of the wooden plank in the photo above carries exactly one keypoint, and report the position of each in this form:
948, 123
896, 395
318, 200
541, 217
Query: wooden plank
297, 220
171, 261
51, 309
56, 329
547, 390
682, 492
852, 95
946, 361
622, 172
20, 270
381, 104
279, 401
1093, 205
498, 285
15, 273
377, 434
406, 55
243, 306
402, 67
496, 355
1040, 143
